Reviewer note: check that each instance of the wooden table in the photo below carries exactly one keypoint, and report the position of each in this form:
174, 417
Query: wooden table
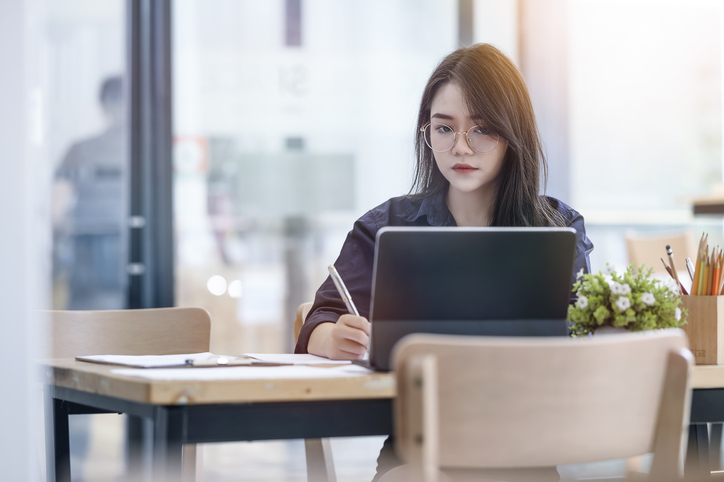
179, 412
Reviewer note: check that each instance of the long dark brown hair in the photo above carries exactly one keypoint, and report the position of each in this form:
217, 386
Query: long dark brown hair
496, 92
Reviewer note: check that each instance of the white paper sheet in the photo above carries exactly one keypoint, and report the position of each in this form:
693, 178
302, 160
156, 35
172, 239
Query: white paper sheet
245, 373
146, 361
169, 361
296, 359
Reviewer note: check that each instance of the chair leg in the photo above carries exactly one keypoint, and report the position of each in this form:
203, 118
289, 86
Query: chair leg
697, 454
715, 436
320, 465
192, 463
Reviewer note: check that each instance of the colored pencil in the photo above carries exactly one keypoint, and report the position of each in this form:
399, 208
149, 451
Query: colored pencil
702, 283
706, 282
714, 287
697, 271
696, 285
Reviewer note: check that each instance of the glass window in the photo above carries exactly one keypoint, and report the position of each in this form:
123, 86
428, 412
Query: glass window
292, 118
645, 117
86, 149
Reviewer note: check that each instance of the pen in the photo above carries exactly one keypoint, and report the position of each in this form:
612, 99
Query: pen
342, 290
690, 268
670, 254
229, 361
218, 360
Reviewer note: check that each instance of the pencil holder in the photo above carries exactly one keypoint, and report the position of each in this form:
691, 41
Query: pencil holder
705, 328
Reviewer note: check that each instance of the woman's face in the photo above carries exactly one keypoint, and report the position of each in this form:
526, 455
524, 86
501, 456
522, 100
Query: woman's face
466, 170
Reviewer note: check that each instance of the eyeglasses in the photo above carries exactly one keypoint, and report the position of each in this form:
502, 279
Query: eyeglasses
441, 138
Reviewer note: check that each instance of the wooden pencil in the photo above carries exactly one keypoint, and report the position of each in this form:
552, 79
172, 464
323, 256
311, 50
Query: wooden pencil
696, 286
702, 272
720, 288
720, 273
721, 282
715, 269
707, 267
697, 273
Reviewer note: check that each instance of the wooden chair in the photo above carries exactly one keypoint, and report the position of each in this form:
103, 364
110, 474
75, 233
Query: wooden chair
302, 313
648, 248
470, 404
160, 331
320, 463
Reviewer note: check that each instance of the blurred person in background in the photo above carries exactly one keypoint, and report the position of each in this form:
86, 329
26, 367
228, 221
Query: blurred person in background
88, 210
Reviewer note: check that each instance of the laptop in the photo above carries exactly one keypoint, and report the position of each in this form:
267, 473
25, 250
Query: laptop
469, 281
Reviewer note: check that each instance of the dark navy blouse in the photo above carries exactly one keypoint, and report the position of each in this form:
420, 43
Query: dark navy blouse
354, 263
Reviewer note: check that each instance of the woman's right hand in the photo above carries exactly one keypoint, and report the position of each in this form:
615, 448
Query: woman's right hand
348, 339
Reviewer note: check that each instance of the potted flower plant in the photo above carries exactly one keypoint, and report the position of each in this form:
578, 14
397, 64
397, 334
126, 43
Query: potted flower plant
634, 300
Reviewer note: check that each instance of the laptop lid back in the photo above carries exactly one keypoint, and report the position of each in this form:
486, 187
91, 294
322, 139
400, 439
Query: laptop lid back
477, 281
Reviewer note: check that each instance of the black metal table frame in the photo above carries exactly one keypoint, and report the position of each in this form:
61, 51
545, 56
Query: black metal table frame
704, 446
171, 426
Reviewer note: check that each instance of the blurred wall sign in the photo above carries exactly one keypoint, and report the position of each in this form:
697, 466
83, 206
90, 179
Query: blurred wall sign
293, 184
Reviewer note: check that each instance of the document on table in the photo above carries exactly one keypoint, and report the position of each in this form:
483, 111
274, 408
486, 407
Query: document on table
208, 359
246, 373
296, 359
147, 361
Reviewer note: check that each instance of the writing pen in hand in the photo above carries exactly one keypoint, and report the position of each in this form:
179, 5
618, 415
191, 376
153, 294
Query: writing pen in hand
342, 289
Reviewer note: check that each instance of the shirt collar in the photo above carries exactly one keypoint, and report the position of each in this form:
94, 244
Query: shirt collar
433, 207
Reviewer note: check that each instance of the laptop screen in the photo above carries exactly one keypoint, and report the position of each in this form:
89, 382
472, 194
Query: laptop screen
485, 281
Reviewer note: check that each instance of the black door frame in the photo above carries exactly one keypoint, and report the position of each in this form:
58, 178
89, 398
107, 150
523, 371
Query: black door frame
150, 225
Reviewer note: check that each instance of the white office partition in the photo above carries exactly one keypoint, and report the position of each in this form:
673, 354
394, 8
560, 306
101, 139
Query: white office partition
22, 243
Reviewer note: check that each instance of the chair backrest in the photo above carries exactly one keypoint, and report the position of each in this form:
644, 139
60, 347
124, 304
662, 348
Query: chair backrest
648, 248
158, 331
301, 316
492, 402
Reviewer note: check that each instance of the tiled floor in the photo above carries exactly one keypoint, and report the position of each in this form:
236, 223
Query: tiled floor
275, 461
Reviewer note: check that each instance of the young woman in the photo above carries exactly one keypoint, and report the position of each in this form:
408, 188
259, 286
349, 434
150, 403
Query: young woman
479, 163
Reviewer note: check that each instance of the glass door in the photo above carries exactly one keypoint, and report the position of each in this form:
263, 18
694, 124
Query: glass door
86, 152
291, 119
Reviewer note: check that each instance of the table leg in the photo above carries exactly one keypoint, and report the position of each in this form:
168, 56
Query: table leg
57, 439
715, 438
320, 464
697, 455
168, 429
139, 448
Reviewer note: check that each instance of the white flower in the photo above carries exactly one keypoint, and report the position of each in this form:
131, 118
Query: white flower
579, 275
616, 288
677, 314
582, 302
648, 298
608, 279
623, 303
609, 270
672, 285
619, 288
